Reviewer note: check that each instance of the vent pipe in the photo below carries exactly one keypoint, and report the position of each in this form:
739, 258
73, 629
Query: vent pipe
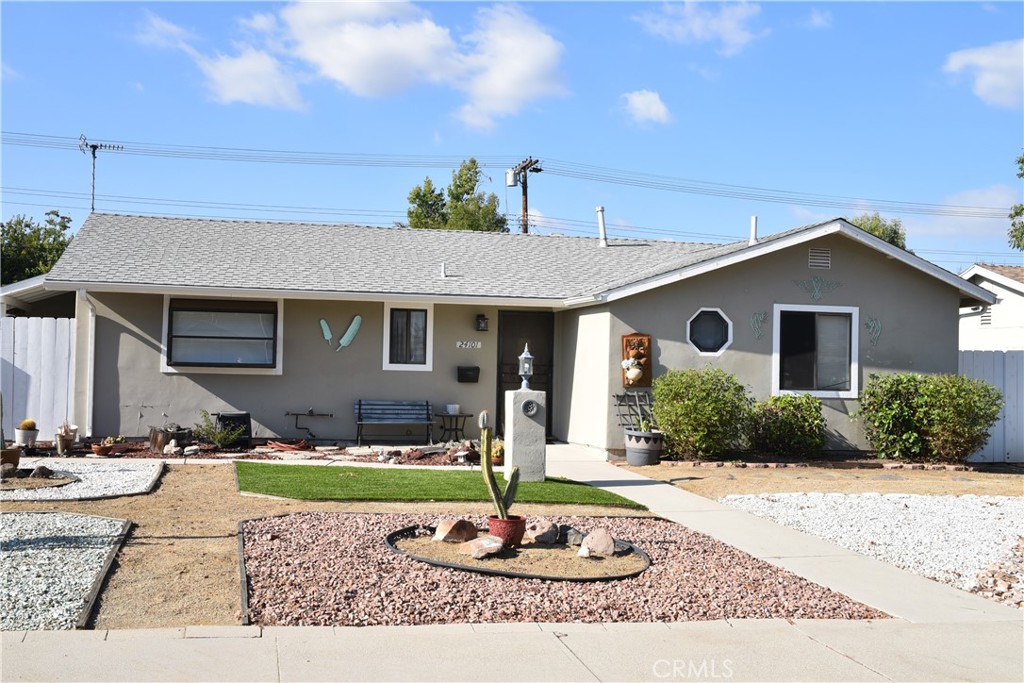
753, 231
600, 227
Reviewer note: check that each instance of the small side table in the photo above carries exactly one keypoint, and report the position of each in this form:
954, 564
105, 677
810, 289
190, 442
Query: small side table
452, 425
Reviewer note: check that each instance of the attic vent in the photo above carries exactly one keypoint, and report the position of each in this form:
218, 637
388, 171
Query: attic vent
819, 258
986, 315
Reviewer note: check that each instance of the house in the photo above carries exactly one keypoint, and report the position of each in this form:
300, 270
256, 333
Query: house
175, 315
999, 326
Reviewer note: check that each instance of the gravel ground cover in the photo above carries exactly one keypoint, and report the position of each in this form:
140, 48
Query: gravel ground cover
334, 569
96, 480
49, 562
947, 538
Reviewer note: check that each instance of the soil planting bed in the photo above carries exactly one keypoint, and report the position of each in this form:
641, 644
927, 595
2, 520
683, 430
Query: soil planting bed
324, 569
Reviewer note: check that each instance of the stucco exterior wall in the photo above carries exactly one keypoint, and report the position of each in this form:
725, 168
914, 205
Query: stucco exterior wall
917, 314
583, 380
1004, 329
131, 393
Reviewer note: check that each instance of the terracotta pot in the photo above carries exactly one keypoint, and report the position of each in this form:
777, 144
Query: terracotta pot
510, 530
100, 449
64, 443
10, 455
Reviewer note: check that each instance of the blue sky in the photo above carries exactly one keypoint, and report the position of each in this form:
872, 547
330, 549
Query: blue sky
795, 112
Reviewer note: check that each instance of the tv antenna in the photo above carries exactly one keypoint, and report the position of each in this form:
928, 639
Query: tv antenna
84, 144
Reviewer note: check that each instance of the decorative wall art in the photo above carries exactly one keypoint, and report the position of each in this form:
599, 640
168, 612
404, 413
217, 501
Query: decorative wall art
817, 286
757, 321
636, 360
874, 326
345, 339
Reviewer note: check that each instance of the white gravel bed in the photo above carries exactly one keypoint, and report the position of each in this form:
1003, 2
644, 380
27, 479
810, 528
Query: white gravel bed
49, 562
946, 538
98, 480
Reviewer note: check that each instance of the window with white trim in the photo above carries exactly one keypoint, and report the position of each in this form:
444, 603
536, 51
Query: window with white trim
709, 331
221, 333
408, 337
814, 350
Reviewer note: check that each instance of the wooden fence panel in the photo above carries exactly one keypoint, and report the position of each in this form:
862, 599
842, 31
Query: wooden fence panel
1005, 371
37, 372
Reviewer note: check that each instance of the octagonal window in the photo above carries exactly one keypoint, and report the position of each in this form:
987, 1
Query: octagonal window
709, 331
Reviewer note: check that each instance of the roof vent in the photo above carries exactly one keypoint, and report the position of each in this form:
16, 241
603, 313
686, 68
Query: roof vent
986, 315
818, 258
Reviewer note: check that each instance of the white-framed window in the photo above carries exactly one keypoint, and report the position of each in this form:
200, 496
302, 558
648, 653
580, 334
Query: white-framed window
815, 350
709, 331
408, 337
222, 336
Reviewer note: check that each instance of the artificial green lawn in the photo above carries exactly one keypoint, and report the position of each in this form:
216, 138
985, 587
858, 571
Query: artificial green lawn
398, 484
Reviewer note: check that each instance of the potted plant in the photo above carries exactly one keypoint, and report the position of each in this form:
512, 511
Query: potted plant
26, 433
509, 528
7, 455
65, 437
634, 369
105, 447
644, 443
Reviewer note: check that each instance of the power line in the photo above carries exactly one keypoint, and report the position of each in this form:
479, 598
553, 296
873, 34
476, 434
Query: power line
566, 169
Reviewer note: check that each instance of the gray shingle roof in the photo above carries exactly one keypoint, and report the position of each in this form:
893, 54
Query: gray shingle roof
338, 259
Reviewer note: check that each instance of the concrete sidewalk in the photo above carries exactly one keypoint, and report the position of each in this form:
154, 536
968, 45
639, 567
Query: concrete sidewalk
940, 633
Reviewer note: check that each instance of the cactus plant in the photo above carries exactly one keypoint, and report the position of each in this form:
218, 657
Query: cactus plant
502, 500
27, 424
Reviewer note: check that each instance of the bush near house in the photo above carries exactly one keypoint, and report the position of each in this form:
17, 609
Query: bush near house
703, 413
787, 425
928, 417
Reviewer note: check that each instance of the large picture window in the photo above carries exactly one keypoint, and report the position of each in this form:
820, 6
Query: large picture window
815, 351
207, 333
408, 337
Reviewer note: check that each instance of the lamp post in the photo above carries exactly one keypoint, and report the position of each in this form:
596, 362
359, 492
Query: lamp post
526, 366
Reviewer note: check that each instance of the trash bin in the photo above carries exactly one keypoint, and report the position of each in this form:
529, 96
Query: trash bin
233, 421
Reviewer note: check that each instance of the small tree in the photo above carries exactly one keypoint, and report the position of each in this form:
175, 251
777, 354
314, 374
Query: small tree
464, 207
1017, 214
890, 230
30, 249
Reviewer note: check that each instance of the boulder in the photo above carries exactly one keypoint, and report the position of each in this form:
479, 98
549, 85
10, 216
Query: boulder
455, 531
191, 450
8, 471
569, 535
41, 472
542, 531
481, 547
598, 543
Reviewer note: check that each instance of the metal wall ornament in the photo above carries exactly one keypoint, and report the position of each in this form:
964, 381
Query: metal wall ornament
817, 286
874, 326
757, 321
636, 360
345, 339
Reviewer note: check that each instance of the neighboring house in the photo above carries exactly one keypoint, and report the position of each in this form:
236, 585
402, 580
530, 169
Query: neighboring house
176, 315
998, 326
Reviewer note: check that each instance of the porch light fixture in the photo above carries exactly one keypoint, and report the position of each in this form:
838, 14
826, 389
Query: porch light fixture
481, 322
526, 366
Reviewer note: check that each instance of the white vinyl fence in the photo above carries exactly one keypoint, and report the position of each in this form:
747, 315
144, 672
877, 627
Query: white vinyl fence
37, 372
1005, 371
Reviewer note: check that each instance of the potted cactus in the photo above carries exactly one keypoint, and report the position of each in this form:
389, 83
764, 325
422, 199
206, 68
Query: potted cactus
7, 455
26, 433
509, 528
65, 438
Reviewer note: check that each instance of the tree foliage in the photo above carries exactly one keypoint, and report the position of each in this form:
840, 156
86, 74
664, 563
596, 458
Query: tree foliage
462, 207
30, 249
1017, 214
890, 230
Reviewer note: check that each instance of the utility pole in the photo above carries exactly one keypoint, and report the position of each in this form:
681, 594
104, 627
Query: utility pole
84, 144
518, 175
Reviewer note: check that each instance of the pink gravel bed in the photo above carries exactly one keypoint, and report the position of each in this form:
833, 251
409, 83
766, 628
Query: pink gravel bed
333, 569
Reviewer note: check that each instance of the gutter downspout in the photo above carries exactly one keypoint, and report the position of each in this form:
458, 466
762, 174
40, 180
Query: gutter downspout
90, 368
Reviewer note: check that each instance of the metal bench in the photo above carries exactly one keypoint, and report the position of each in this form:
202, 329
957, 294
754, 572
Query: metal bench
393, 413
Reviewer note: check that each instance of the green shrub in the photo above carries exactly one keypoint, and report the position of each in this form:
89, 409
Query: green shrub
221, 437
928, 417
787, 425
703, 413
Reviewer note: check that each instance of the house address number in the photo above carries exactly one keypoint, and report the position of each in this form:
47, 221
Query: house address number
469, 344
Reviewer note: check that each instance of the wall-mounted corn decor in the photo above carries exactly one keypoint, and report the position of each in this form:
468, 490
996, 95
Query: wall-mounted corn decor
350, 333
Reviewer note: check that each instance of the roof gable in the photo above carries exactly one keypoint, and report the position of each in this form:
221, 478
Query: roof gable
1009, 277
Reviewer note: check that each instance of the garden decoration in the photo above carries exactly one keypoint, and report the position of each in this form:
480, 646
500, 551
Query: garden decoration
26, 433
509, 528
636, 360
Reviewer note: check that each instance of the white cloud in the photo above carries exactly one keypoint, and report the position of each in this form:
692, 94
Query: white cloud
997, 69
9, 73
512, 61
695, 23
995, 196
645, 106
819, 18
252, 77
261, 22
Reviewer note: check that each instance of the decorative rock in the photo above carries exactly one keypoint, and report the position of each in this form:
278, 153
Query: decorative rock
481, 547
542, 531
623, 548
455, 531
598, 543
41, 472
8, 471
569, 535
191, 450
